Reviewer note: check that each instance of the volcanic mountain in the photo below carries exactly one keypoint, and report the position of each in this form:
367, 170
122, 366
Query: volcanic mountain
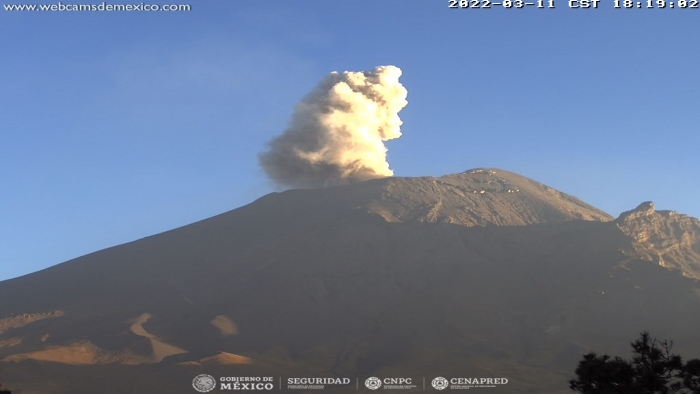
479, 274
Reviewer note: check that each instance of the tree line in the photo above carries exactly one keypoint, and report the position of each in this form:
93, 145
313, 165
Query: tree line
653, 369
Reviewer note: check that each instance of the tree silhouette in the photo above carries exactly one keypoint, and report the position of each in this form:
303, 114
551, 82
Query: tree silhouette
653, 369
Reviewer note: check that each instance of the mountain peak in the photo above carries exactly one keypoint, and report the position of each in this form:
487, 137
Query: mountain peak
477, 197
644, 209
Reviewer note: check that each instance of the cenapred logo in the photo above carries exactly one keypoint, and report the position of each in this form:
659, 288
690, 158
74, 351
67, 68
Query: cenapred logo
204, 383
373, 383
440, 383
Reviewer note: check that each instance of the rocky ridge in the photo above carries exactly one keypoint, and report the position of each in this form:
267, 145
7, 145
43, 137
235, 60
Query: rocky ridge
666, 237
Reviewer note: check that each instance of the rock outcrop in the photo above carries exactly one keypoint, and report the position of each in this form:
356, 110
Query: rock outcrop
668, 238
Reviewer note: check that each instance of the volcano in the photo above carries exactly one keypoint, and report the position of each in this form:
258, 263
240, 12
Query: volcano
484, 273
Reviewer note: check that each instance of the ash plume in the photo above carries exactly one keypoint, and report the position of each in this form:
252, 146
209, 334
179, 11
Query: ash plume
337, 131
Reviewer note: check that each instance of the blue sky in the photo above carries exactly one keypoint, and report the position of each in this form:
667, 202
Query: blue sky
117, 126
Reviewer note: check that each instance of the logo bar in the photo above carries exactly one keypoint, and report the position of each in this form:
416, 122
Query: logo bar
205, 383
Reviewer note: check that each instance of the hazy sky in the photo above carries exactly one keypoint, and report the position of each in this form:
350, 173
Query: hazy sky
116, 126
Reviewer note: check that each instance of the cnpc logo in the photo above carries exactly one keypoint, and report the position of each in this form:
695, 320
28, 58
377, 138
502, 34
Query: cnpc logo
374, 382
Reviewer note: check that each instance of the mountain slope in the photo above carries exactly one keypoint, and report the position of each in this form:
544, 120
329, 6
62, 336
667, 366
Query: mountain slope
391, 277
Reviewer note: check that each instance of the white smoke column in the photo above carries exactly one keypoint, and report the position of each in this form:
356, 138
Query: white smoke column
337, 132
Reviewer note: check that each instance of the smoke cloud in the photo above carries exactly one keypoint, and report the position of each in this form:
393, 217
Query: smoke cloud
337, 132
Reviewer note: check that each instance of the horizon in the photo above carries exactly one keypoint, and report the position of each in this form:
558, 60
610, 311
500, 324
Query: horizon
118, 126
